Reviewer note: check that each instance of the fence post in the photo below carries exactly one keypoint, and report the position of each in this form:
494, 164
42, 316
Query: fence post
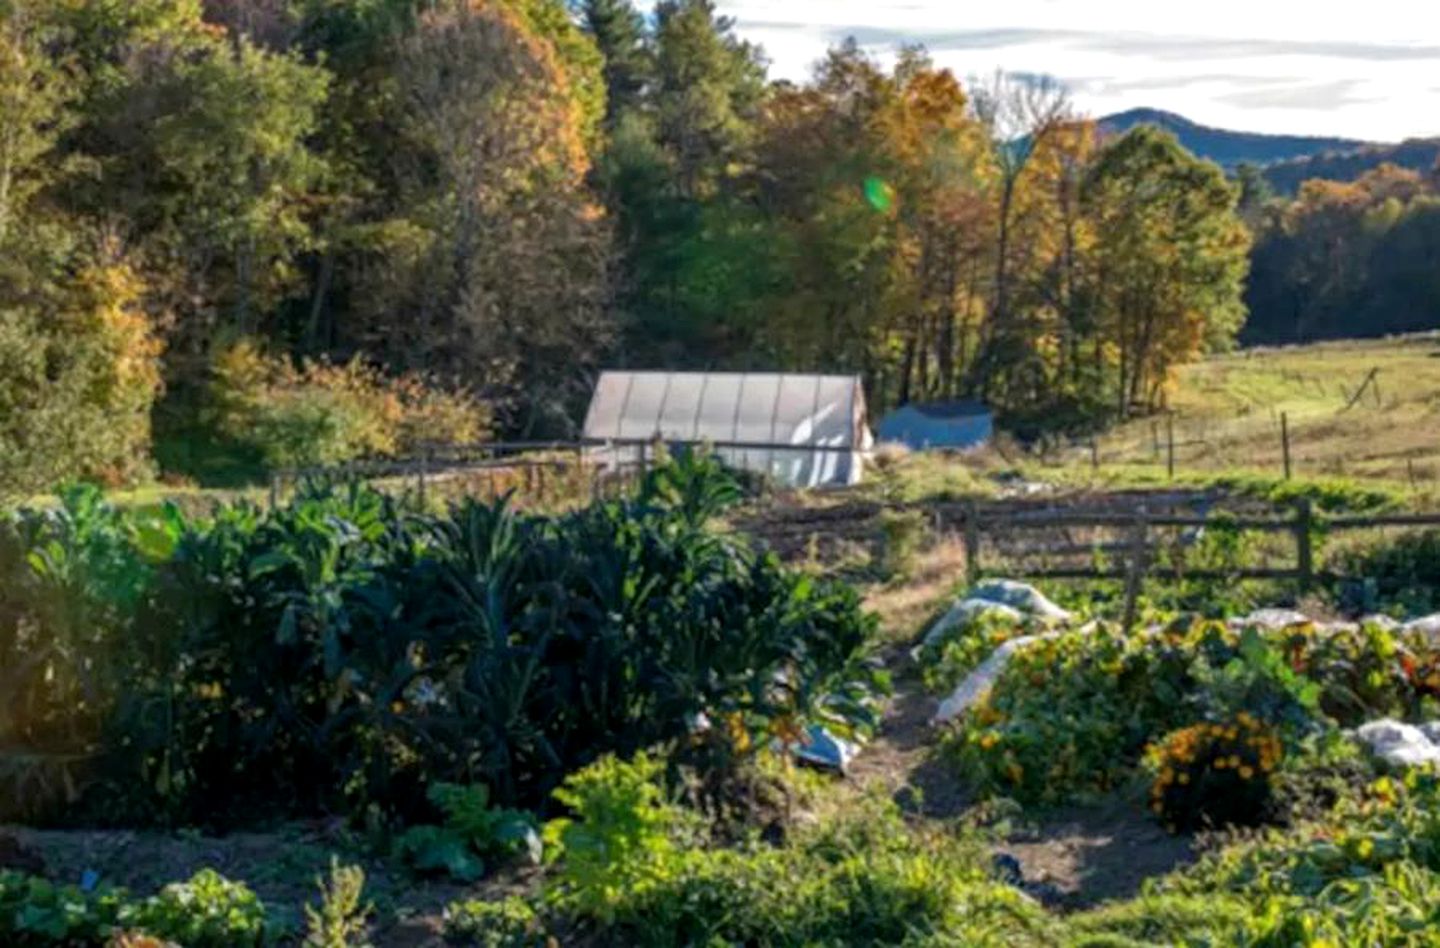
1304, 553
1285, 441
1135, 569
1170, 445
972, 543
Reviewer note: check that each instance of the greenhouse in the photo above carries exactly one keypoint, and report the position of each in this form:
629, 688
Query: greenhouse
801, 430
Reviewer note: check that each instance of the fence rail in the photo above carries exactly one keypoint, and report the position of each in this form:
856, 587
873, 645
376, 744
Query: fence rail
1137, 516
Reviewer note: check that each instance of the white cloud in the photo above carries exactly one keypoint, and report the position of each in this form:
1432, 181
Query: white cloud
1318, 67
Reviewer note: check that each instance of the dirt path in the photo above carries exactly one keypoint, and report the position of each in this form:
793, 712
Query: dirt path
1080, 855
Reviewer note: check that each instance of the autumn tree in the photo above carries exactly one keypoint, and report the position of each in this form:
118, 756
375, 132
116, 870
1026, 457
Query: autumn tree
1170, 260
78, 358
499, 257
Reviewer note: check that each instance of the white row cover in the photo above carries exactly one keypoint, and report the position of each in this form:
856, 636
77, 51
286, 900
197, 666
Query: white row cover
742, 408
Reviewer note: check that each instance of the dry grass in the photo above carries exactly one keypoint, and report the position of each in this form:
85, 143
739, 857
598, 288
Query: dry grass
906, 605
1228, 412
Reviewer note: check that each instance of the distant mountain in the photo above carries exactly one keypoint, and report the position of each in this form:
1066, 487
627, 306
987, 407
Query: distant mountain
1287, 160
1229, 148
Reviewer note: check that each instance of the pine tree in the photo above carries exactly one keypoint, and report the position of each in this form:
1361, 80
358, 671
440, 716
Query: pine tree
619, 31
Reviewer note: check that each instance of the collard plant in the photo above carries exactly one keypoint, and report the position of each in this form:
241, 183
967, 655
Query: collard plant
73, 578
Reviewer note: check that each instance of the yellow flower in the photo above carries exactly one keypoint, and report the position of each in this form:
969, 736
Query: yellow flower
1015, 772
1221, 763
1246, 773
1365, 848
1184, 778
1234, 760
989, 740
1157, 806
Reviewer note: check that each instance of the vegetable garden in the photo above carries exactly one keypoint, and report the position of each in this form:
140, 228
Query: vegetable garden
577, 728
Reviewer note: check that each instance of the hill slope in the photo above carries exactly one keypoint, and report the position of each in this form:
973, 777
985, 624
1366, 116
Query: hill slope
1417, 154
1226, 147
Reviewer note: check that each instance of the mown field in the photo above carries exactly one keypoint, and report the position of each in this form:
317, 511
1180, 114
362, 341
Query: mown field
351, 720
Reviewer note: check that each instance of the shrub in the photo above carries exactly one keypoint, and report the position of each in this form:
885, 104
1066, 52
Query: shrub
1401, 571
321, 414
79, 371
1213, 775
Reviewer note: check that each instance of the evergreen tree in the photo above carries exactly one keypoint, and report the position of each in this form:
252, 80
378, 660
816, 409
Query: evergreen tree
618, 29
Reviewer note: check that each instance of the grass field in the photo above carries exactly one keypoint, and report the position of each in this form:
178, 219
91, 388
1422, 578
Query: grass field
1227, 413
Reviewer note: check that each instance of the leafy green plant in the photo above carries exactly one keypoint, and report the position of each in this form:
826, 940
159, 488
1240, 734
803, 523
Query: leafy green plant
636, 868
35, 912
208, 911
621, 837
473, 832
509, 923
1072, 714
345, 651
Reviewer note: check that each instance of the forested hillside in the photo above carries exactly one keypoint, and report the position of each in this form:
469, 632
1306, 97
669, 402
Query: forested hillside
1415, 154
1347, 259
254, 233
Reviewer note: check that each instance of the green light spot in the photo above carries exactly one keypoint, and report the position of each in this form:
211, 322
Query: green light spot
879, 193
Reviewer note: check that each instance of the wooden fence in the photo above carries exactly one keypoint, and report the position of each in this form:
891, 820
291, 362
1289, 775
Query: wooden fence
1137, 551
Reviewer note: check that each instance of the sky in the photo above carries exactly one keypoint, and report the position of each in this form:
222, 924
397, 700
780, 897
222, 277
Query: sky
1366, 69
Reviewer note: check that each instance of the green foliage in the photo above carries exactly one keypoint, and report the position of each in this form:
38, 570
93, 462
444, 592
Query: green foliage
634, 864
1072, 714
344, 652
208, 911
621, 840
510, 923
343, 917
1401, 571
946, 661
473, 832
902, 534
73, 577
34, 912
320, 414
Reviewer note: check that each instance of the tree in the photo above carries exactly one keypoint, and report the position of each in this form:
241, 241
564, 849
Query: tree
618, 30
1021, 114
498, 259
708, 85
35, 101
1170, 259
